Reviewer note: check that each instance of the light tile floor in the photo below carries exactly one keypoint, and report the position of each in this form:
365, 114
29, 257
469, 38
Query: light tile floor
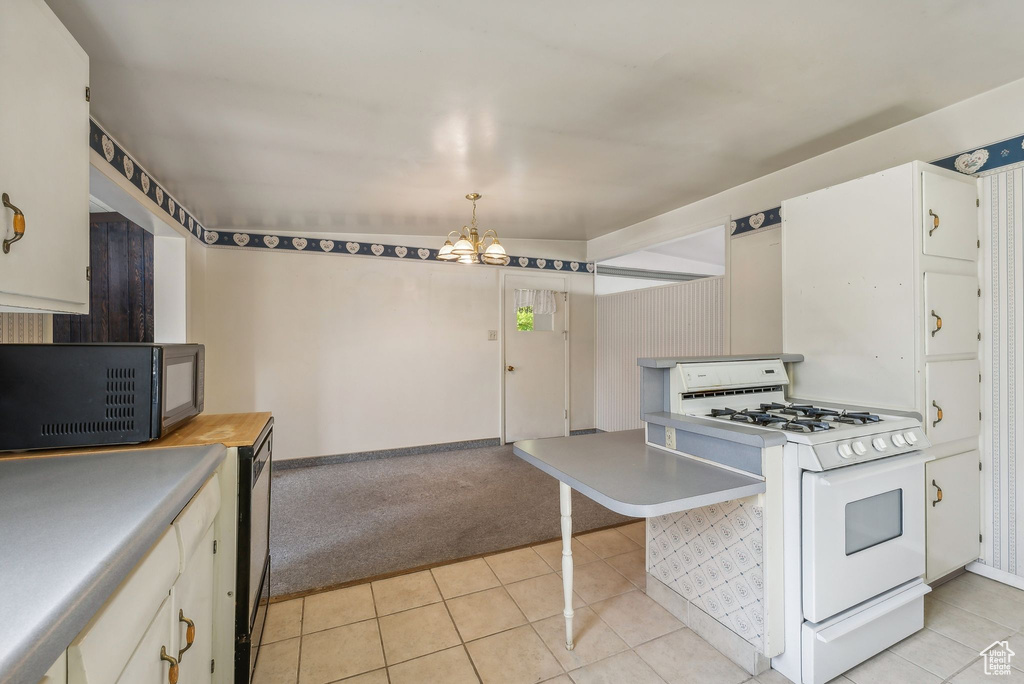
499, 620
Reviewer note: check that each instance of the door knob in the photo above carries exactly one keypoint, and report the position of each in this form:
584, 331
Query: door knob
510, 368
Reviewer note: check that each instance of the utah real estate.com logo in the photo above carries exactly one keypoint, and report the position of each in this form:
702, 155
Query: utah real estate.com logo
997, 658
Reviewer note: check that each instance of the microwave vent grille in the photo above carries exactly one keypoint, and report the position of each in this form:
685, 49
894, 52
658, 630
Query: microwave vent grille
93, 427
118, 413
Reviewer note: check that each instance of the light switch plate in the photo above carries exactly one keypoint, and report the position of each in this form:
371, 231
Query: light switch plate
670, 437
492, 335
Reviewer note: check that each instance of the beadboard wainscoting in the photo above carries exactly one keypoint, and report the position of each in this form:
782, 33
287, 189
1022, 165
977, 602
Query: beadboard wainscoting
683, 319
1002, 353
25, 328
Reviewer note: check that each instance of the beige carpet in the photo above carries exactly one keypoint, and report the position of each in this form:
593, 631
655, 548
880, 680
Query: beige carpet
338, 523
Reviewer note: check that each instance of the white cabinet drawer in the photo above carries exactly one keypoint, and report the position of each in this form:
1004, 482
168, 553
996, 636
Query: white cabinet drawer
951, 307
949, 214
953, 400
100, 651
954, 521
196, 518
835, 645
145, 665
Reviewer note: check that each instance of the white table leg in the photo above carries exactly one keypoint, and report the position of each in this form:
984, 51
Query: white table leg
565, 501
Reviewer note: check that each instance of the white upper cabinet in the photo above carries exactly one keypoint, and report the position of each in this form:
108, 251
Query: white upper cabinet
950, 216
951, 307
44, 163
954, 400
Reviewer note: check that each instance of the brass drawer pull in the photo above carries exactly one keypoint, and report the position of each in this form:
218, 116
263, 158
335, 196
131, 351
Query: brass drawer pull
190, 633
938, 494
938, 414
19, 223
172, 673
935, 222
938, 323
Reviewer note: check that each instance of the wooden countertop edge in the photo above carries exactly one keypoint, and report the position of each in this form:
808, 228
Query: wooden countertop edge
229, 429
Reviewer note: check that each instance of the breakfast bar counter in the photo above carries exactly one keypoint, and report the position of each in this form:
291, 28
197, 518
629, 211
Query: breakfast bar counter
621, 472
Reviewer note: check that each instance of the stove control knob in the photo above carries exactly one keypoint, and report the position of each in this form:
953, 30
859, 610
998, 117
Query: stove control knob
845, 451
898, 440
911, 438
879, 444
859, 448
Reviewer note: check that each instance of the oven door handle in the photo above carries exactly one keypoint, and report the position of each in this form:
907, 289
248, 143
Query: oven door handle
870, 614
840, 475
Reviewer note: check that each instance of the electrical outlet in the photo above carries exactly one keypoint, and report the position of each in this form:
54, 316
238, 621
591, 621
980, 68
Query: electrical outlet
670, 437
492, 335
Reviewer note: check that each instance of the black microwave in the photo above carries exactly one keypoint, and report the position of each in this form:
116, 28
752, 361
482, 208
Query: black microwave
74, 395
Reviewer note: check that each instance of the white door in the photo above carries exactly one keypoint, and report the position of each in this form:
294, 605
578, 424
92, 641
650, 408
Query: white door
950, 215
953, 512
951, 303
954, 400
44, 160
535, 362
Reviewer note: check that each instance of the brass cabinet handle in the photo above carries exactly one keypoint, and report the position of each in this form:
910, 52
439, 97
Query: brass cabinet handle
190, 633
19, 223
938, 414
938, 323
172, 673
510, 368
938, 494
935, 222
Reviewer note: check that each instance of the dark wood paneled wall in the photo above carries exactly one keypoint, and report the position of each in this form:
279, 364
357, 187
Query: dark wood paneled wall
121, 289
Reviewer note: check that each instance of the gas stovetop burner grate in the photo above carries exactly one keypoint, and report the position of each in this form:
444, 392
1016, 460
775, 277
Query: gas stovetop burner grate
795, 417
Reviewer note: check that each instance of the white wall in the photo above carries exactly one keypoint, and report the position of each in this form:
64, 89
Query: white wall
994, 115
755, 292
169, 273
359, 353
681, 319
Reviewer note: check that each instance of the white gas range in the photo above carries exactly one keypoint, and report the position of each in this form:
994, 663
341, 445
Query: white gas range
851, 502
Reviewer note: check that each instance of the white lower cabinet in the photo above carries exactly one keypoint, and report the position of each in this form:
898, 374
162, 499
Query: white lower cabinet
193, 611
147, 664
952, 513
159, 624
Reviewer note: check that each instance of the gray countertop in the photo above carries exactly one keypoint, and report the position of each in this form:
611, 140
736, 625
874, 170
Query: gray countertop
619, 471
71, 529
671, 361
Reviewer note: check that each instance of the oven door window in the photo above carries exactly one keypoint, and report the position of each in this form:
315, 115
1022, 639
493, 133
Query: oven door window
873, 520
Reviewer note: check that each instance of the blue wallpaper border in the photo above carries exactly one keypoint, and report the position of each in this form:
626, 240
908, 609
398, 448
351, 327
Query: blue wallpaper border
105, 145
761, 219
986, 159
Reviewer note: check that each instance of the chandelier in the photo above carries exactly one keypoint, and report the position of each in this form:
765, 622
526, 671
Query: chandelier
470, 247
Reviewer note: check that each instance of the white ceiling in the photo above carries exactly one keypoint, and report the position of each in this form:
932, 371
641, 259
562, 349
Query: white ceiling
572, 118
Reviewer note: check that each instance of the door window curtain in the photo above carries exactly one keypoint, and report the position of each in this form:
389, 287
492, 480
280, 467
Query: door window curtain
542, 301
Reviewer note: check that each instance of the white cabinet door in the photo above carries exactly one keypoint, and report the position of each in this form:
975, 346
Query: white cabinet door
44, 163
954, 400
950, 216
146, 665
951, 305
193, 600
954, 520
